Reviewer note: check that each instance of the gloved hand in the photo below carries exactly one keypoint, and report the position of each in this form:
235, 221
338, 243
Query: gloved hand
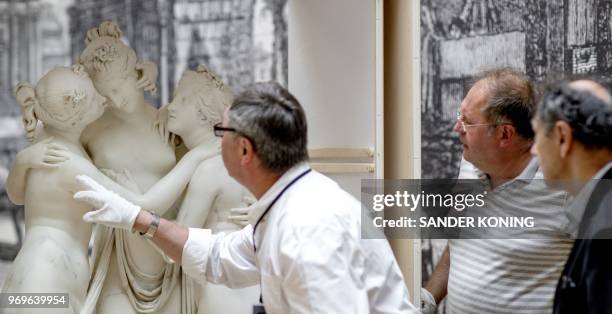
428, 302
112, 210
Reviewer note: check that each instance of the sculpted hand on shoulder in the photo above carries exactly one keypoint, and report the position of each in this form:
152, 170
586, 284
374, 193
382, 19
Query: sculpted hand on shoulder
44, 154
240, 215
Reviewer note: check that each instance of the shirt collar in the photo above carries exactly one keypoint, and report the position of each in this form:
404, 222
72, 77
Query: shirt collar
576, 209
526, 175
258, 208
530, 171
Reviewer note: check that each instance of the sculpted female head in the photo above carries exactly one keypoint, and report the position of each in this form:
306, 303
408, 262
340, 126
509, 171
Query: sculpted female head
112, 66
64, 98
199, 101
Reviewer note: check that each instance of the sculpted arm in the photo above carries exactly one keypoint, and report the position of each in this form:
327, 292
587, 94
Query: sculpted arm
200, 197
165, 192
44, 154
16, 181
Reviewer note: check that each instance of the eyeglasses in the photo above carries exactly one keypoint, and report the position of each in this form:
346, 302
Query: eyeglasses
465, 126
218, 129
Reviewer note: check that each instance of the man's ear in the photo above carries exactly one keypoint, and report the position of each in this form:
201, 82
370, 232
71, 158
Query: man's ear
564, 138
506, 135
247, 150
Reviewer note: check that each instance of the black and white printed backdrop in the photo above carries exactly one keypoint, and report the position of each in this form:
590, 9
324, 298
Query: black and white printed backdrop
547, 39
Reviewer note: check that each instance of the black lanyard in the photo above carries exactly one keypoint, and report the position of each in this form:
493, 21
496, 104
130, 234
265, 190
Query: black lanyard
273, 202
266, 212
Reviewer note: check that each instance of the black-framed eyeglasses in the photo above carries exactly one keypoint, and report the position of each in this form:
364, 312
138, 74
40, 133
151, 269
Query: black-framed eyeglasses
219, 129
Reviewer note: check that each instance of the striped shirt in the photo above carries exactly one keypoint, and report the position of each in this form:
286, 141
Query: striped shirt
512, 275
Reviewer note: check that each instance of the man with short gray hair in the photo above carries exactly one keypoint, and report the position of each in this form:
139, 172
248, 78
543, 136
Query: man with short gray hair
508, 275
303, 245
574, 141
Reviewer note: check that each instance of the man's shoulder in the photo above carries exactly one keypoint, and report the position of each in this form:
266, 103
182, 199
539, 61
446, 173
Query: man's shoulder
318, 199
317, 188
537, 187
601, 204
589, 254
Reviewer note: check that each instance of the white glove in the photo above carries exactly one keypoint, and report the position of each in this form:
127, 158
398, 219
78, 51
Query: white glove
112, 210
428, 303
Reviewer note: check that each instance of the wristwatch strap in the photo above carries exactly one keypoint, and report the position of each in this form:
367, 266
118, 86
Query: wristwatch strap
152, 227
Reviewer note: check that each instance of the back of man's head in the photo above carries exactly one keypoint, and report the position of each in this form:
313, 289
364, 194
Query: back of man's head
511, 99
583, 104
274, 121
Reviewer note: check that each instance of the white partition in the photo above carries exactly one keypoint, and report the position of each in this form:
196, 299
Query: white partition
335, 65
336, 71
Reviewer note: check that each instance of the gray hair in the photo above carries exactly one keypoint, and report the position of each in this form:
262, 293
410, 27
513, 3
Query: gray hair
589, 116
511, 99
275, 123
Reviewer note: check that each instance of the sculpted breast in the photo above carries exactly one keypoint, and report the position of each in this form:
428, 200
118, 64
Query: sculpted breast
142, 153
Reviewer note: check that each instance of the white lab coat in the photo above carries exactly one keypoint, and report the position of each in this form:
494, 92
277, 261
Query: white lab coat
310, 256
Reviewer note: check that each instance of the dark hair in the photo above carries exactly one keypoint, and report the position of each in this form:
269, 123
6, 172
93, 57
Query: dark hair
589, 116
274, 121
511, 99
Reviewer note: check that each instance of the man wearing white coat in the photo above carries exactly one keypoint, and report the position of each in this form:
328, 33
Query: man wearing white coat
303, 244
